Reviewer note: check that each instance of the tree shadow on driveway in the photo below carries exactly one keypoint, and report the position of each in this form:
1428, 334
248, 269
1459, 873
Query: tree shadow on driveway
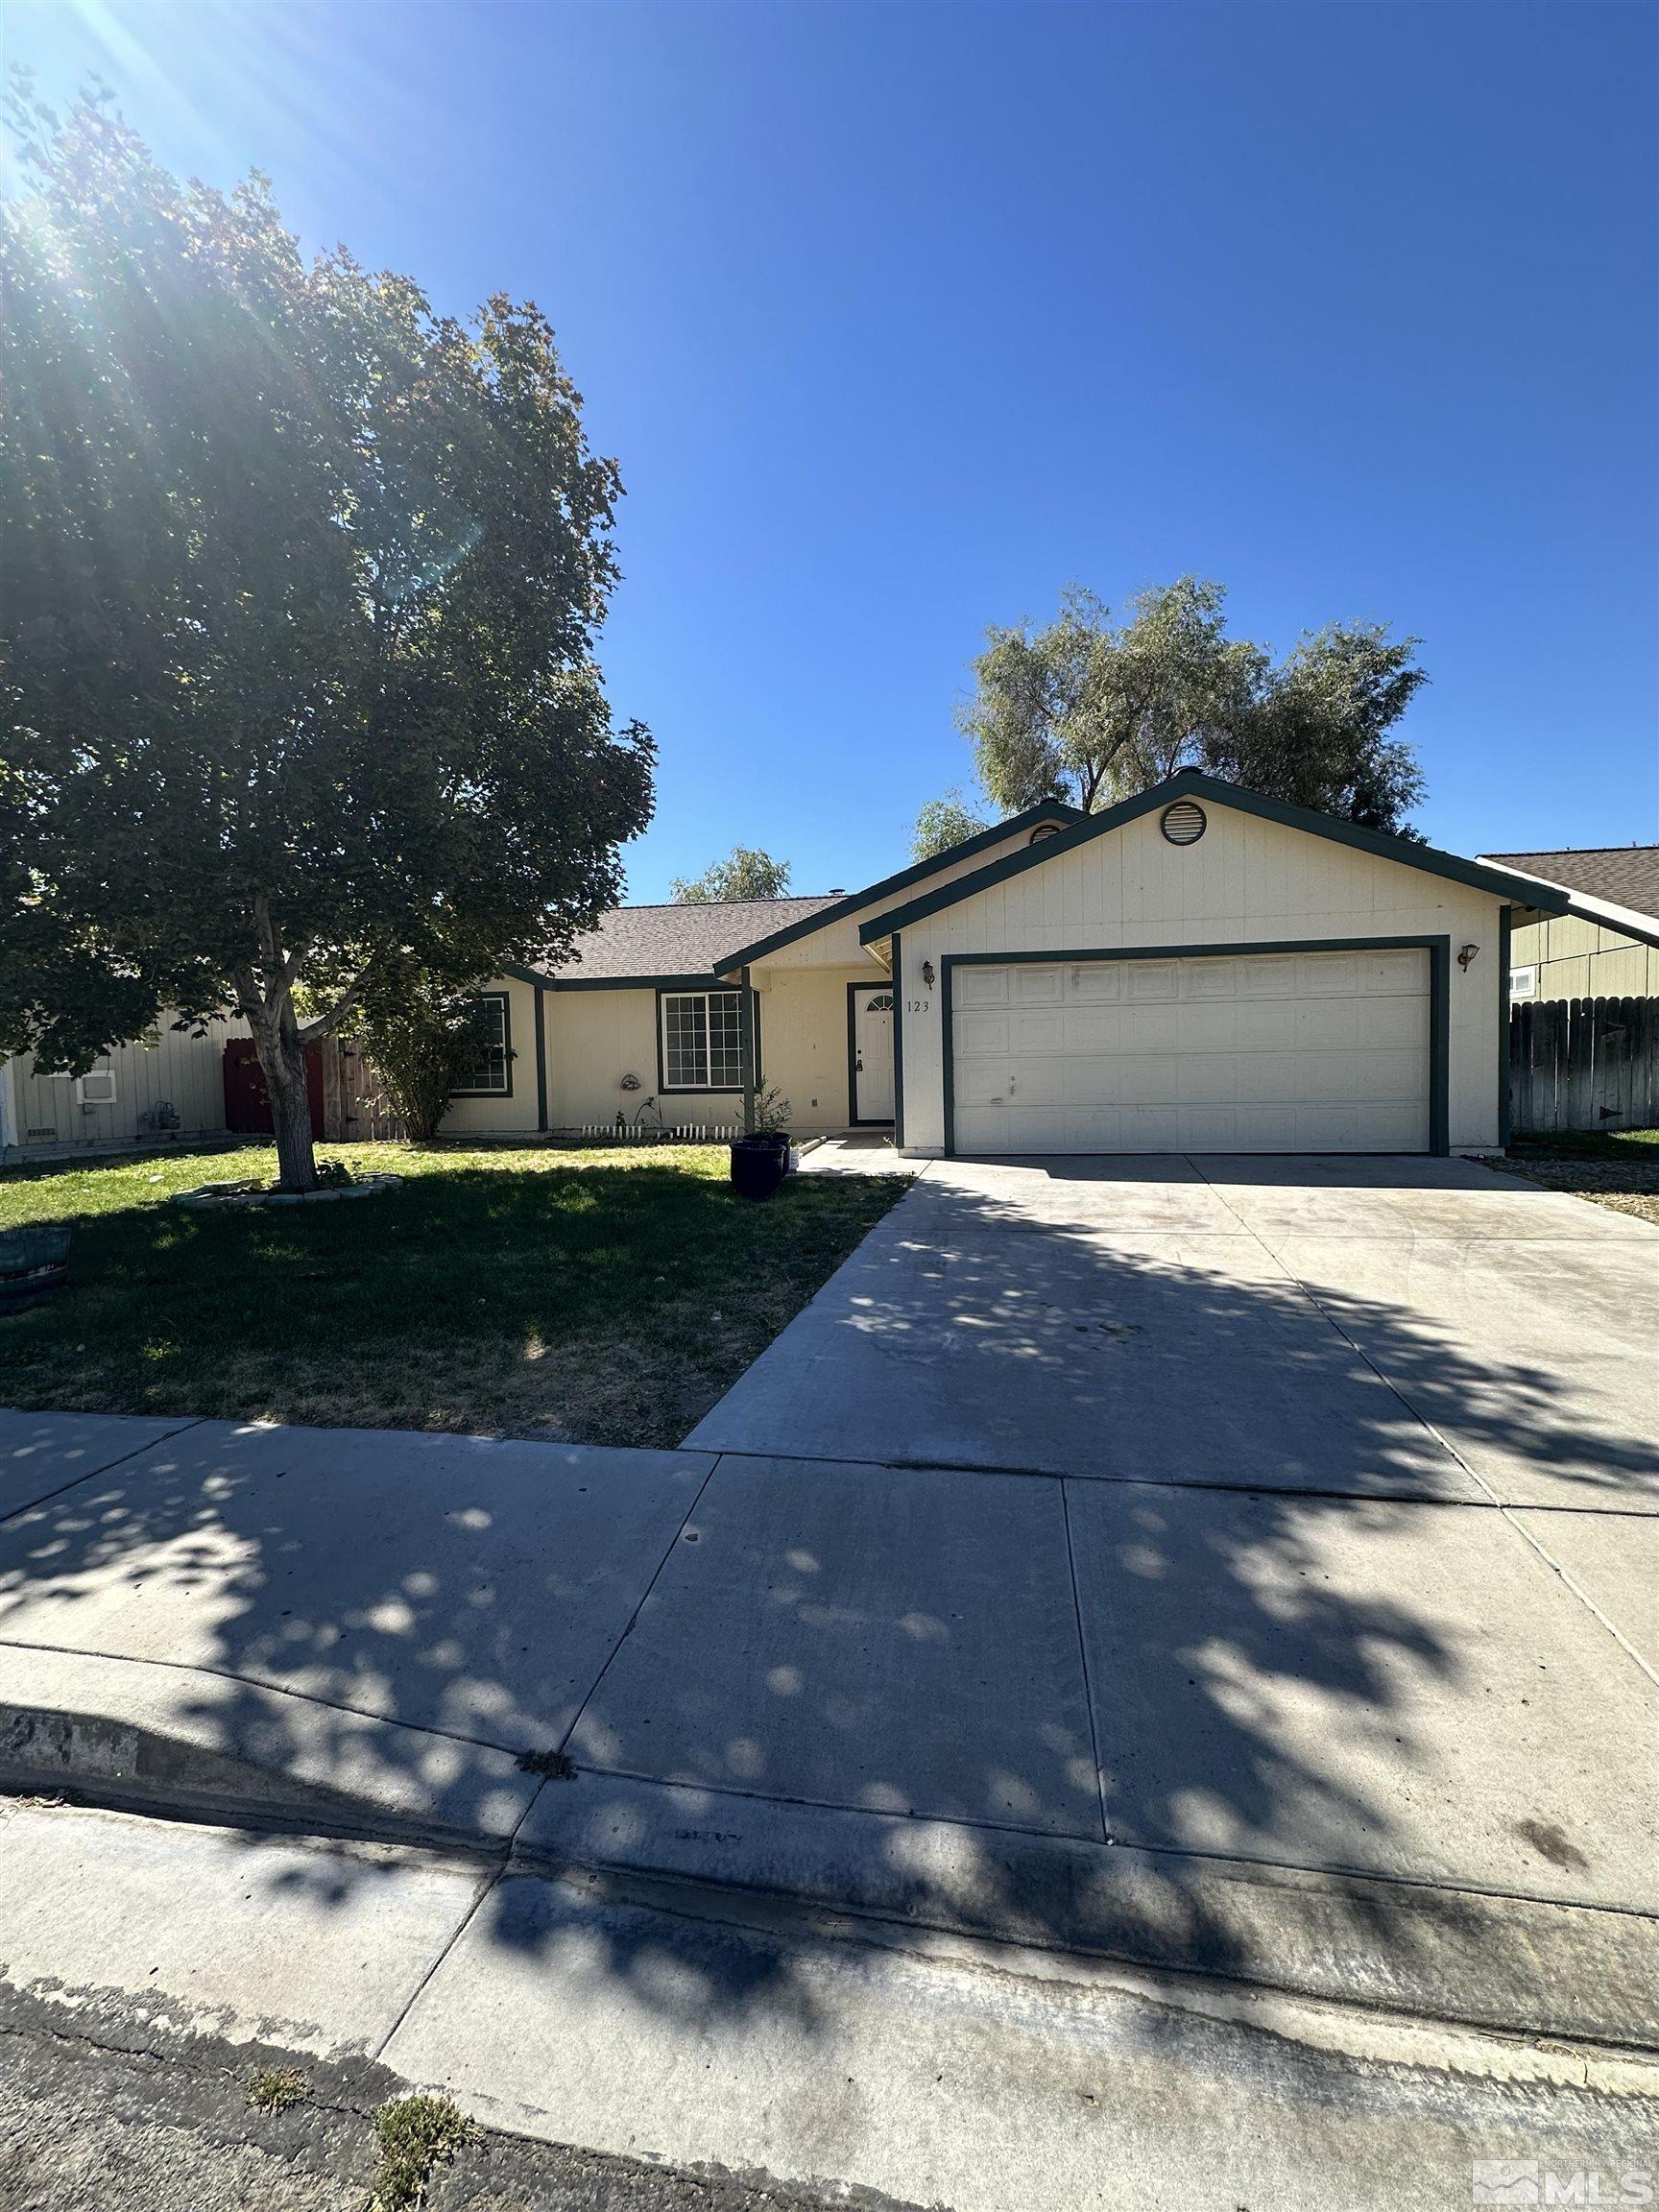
1278, 1733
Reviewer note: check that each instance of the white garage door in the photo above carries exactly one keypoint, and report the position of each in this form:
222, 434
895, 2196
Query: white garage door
1253, 1052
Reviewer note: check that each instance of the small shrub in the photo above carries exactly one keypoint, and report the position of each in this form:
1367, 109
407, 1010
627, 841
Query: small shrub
277, 2088
415, 2134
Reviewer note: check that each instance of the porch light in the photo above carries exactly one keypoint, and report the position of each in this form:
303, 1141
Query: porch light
927, 973
1467, 955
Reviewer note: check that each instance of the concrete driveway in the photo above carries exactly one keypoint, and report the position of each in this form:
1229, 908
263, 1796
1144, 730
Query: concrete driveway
1243, 1565
1388, 1328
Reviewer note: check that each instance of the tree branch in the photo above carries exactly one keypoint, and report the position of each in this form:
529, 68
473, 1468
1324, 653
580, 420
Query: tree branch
325, 1024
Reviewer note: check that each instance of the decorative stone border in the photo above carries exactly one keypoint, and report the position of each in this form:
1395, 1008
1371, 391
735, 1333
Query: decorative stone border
219, 1196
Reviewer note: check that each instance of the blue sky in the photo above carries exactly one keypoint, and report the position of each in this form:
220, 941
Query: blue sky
899, 317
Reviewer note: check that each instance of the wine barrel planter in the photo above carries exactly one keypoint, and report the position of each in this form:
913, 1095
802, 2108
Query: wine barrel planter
33, 1266
759, 1164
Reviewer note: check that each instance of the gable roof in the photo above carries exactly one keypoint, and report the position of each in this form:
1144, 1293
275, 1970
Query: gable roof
647, 944
1623, 875
1055, 811
1192, 784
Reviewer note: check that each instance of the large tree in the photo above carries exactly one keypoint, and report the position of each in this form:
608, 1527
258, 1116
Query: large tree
1092, 708
299, 583
744, 873
942, 822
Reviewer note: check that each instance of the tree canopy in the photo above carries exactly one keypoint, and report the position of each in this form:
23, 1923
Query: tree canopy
744, 873
942, 823
1093, 707
300, 586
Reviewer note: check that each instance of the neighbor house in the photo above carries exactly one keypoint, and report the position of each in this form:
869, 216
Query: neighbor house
1606, 944
1198, 969
163, 1090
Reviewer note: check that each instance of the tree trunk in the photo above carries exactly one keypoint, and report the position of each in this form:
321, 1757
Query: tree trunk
282, 1059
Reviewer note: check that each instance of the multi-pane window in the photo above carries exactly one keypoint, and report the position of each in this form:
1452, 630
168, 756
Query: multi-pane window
702, 1041
494, 1056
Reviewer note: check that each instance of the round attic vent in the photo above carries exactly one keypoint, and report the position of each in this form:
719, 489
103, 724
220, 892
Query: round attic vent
1184, 823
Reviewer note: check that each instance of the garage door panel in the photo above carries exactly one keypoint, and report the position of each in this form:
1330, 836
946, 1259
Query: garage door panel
1212, 980
1011, 1129
1268, 1052
1216, 1028
978, 1034
1393, 1024
1032, 1033
1152, 1028
981, 987
1326, 1025
1098, 980
1399, 973
1151, 1079
1154, 979
1093, 1082
1092, 1030
983, 1081
1038, 986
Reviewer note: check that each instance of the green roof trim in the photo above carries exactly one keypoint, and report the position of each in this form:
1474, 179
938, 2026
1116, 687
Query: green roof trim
1032, 818
1192, 784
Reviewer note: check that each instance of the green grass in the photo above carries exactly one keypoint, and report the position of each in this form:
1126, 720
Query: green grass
598, 1297
1641, 1144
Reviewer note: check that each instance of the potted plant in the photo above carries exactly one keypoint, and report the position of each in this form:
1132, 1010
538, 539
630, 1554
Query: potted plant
760, 1156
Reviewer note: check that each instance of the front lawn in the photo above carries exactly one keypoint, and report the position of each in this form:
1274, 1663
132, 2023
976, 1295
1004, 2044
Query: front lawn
606, 1297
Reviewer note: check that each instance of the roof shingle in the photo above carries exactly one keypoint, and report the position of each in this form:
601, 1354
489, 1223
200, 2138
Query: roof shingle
1623, 874
677, 940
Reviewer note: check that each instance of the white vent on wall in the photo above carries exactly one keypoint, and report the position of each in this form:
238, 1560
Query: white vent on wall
1522, 982
96, 1089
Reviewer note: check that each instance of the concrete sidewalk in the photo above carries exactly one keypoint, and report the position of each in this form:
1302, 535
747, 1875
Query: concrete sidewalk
1264, 1736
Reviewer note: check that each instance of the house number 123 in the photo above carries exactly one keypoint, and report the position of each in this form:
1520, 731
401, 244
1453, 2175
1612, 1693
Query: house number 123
917, 1005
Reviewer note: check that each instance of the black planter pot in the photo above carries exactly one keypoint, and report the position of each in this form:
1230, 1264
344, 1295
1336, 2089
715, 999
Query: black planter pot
33, 1266
759, 1164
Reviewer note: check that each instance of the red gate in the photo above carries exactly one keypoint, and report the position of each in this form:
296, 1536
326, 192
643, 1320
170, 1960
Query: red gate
248, 1103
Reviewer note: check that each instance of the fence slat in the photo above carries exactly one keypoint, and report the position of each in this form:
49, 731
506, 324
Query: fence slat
1583, 1064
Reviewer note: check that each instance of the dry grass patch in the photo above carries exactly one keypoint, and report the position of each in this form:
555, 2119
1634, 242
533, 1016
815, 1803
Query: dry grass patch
597, 1296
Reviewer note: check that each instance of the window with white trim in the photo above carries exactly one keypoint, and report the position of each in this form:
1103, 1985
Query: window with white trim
491, 1077
702, 1039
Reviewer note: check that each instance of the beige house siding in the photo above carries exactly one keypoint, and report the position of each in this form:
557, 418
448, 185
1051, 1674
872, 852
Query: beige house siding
47, 1115
1247, 880
803, 1040
1579, 959
511, 1113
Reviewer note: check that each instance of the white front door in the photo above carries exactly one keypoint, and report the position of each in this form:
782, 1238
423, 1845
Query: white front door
872, 1054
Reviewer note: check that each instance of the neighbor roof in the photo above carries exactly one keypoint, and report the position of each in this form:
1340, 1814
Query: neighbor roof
1623, 874
646, 942
1192, 784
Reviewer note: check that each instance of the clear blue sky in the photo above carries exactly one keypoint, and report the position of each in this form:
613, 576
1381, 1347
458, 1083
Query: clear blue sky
899, 317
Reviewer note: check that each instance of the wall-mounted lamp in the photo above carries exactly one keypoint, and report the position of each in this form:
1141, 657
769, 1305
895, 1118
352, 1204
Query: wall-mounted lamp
1465, 955
927, 973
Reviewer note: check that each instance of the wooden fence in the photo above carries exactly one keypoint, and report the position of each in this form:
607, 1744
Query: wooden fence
353, 1111
1583, 1064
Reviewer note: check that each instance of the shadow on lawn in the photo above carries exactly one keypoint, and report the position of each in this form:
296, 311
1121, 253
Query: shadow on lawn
477, 1297
1180, 1671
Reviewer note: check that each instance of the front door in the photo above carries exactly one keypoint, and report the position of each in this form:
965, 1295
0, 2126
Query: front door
872, 1042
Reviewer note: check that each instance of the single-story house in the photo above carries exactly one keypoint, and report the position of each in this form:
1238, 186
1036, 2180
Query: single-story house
1196, 968
1606, 944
